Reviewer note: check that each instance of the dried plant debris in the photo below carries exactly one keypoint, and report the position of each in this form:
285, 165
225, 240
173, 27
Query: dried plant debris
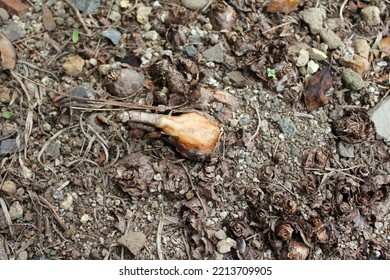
8, 54
354, 127
315, 89
283, 6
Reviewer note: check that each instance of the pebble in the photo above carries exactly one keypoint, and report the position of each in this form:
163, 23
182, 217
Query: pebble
317, 55
143, 14
330, 38
8, 146
224, 246
287, 127
84, 218
113, 35
115, 16
134, 241
190, 50
351, 79
371, 15
67, 202
128, 83
362, 48
4, 15
14, 31
217, 256
303, 58
16, 211
314, 17
256, 243
87, 6
380, 115
74, 65
22, 256
241, 245
5, 95
47, 19
214, 53
151, 35
346, 150
194, 4
312, 67
220, 234
9, 187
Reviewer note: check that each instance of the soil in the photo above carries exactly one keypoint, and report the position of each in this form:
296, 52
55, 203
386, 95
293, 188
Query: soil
298, 172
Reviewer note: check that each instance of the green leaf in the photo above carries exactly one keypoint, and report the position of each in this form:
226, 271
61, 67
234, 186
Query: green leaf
271, 73
7, 115
75, 35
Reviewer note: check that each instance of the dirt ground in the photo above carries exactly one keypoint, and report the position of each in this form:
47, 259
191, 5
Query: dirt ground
297, 171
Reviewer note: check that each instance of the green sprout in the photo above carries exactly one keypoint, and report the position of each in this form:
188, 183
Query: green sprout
75, 35
271, 73
7, 115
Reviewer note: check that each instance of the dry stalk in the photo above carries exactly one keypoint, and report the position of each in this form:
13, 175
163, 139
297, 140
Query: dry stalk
7, 216
79, 17
53, 211
158, 238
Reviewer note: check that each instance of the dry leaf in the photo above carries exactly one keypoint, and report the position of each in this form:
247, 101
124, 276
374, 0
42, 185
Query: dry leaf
315, 89
8, 55
384, 46
284, 6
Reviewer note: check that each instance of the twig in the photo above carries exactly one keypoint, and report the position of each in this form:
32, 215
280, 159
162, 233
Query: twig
158, 238
7, 216
53, 211
258, 125
79, 17
342, 9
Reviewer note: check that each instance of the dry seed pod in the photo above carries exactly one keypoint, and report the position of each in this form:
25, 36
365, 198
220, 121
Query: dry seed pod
193, 134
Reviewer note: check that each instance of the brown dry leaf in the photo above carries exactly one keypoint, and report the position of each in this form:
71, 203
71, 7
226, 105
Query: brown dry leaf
316, 86
384, 46
8, 55
358, 64
283, 6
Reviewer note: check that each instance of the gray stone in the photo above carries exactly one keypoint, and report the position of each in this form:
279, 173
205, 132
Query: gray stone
241, 245
380, 115
134, 241
4, 16
113, 35
312, 67
303, 58
371, 15
334, 23
14, 32
224, 246
330, 38
9, 187
54, 149
128, 82
317, 55
214, 53
346, 150
287, 127
191, 51
217, 256
362, 48
8, 146
86, 6
351, 79
151, 35
194, 4
22, 256
115, 16
314, 17
220, 234
16, 211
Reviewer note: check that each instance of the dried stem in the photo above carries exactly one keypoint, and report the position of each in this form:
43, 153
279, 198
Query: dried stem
79, 17
53, 211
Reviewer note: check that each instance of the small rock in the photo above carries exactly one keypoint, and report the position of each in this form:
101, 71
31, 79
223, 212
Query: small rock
73, 65
256, 243
314, 17
214, 53
351, 79
241, 245
334, 23
312, 67
48, 19
330, 38
143, 14
190, 50
194, 4
115, 16
67, 202
345, 150
113, 35
15, 7
362, 48
22, 256
14, 31
380, 115
9, 187
358, 64
303, 58
104, 69
86, 6
224, 246
16, 211
317, 55
134, 241
217, 256
5, 95
8, 146
220, 234
80, 91
371, 15
4, 16
128, 82
151, 35
84, 218
54, 149
287, 127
